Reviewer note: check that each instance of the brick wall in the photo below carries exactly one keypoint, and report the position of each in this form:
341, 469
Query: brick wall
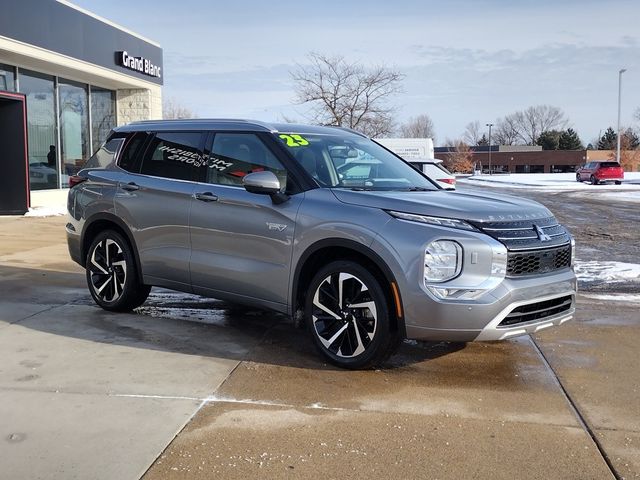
544, 158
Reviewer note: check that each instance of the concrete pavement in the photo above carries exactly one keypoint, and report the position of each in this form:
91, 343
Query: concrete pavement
89, 394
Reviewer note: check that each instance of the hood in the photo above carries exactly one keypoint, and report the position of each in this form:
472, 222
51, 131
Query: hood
449, 204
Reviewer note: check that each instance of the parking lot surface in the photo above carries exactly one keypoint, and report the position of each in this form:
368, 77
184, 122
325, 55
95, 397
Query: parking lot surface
186, 387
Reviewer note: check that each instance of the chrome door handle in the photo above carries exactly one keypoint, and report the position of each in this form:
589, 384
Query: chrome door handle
206, 197
130, 187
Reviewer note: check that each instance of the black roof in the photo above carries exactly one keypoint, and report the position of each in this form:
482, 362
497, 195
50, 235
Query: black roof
230, 124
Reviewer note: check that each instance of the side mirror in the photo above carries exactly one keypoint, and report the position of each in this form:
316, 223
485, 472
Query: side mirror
264, 183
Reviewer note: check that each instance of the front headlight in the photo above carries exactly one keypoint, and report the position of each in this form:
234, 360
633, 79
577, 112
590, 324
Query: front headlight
429, 220
442, 261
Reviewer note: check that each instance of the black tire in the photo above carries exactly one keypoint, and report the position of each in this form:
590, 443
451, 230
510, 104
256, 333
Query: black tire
593, 180
111, 273
618, 182
578, 179
351, 337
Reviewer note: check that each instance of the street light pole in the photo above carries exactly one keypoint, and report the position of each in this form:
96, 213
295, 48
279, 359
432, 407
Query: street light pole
619, 108
489, 125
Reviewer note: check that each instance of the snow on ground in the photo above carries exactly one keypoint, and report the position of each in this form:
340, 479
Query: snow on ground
612, 272
49, 211
550, 181
626, 196
614, 297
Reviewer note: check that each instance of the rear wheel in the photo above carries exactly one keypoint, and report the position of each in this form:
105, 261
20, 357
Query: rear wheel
111, 273
347, 315
593, 180
618, 182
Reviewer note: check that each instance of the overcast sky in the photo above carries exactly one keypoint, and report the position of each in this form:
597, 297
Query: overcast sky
463, 60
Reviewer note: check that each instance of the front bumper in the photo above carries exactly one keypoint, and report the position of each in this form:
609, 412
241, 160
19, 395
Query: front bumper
479, 320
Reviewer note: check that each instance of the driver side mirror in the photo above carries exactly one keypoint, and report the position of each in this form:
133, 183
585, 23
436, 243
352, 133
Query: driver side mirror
264, 183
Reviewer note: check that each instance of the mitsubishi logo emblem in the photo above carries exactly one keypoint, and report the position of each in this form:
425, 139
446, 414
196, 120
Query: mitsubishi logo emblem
541, 235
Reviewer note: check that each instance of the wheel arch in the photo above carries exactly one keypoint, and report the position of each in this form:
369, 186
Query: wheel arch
328, 250
106, 221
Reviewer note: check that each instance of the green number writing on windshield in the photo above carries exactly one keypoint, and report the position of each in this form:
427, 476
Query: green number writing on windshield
294, 140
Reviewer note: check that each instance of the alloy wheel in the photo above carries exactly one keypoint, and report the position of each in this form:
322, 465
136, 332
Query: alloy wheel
344, 315
108, 270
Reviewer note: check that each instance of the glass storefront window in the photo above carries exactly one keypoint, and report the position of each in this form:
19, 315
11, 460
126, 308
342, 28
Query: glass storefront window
41, 125
7, 78
103, 115
74, 127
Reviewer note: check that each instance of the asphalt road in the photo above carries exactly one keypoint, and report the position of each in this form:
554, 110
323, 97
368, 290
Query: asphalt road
194, 388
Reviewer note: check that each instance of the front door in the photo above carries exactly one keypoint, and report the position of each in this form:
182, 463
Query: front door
241, 242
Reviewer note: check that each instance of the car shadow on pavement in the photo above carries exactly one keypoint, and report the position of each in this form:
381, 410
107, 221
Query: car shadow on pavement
58, 302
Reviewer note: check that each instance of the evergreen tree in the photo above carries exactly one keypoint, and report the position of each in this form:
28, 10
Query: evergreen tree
630, 139
608, 140
483, 142
549, 140
569, 140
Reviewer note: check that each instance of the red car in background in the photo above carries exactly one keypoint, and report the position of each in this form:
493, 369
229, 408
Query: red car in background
601, 172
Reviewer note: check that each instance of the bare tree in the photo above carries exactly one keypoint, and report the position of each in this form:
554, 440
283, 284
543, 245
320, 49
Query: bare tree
418, 127
347, 94
506, 131
535, 120
172, 110
472, 133
460, 156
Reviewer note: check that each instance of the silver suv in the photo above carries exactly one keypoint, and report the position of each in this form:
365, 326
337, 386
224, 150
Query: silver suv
319, 223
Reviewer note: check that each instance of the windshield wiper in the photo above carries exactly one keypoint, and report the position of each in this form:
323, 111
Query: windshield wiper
419, 189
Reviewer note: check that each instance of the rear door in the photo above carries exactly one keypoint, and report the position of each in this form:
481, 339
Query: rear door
154, 199
242, 242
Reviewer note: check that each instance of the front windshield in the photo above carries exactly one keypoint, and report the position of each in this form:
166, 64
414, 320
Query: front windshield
348, 161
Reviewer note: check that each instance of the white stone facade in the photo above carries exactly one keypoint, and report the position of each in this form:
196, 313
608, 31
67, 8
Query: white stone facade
137, 104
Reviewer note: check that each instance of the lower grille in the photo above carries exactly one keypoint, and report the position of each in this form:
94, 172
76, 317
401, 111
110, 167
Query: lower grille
538, 261
537, 311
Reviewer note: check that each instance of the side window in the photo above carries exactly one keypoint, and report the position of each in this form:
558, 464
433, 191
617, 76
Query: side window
173, 155
234, 155
131, 151
105, 154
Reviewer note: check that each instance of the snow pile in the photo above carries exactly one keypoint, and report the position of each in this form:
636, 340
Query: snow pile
550, 181
50, 211
594, 271
614, 298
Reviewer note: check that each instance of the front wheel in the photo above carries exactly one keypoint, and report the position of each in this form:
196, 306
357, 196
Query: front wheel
347, 315
578, 179
111, 273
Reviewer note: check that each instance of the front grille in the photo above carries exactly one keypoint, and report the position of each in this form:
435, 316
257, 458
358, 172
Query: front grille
537, 311
523, 235
538, 261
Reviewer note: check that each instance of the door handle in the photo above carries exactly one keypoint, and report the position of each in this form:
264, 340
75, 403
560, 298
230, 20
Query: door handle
206, 197
130, 187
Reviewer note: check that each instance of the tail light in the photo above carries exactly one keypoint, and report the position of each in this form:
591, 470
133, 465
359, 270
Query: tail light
76, 180
450, 181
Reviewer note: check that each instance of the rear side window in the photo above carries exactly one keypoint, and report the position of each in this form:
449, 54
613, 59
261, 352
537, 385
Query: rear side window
174, 155
131, 151
105, 154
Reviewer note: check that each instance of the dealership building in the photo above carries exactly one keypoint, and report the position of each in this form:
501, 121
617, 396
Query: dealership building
76, 76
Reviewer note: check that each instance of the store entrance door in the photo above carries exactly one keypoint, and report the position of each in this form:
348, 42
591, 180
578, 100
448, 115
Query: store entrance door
14, 160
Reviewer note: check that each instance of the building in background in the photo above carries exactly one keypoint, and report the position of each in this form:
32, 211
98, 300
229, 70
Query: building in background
531, 159
81, 74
